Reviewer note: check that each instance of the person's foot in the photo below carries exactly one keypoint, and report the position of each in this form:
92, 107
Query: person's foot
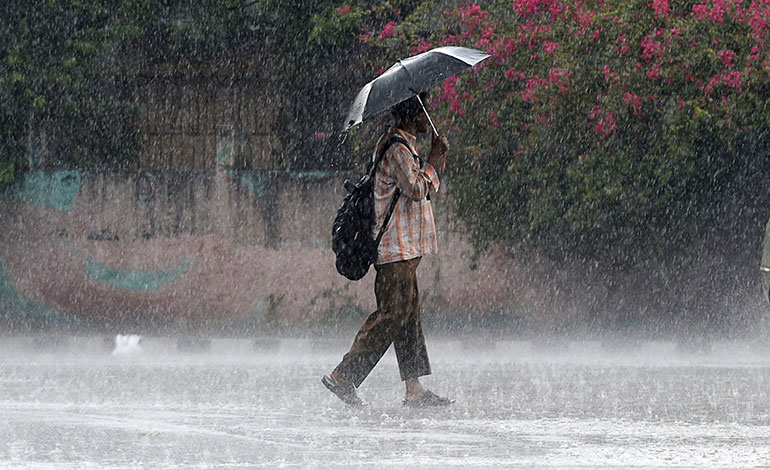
344, 391
414, 389
428, 399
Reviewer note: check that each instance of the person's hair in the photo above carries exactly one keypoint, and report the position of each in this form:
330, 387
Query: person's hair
407, 110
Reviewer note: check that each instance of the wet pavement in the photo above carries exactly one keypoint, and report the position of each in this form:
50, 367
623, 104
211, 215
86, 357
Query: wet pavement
70, 404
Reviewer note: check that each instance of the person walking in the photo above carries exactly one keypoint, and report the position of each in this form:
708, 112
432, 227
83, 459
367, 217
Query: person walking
410, 234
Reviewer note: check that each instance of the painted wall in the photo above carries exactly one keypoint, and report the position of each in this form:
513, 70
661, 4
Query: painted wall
201, 250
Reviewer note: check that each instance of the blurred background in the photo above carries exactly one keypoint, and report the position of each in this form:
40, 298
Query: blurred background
173, 167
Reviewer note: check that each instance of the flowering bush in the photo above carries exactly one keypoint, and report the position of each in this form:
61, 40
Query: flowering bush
630, 134
599, 128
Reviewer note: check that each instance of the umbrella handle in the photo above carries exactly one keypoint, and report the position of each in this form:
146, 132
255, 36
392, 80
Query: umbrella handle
426, 114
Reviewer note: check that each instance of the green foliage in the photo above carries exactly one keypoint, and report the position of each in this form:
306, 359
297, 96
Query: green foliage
59, 86
336, 25
326, 55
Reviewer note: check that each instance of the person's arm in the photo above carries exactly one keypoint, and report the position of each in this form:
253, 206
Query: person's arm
413, 181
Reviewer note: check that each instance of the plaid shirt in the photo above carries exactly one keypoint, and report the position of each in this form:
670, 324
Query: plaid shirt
411, 232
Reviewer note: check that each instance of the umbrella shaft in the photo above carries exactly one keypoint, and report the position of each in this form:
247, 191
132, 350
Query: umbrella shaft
426, 114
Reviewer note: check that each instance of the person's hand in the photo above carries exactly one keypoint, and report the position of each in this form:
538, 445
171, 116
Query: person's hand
438, 150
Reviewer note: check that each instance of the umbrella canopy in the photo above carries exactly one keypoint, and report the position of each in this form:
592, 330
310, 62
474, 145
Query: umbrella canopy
408, 77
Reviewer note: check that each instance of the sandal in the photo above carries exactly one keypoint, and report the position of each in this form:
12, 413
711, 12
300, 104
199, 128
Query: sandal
345, 392
429, 399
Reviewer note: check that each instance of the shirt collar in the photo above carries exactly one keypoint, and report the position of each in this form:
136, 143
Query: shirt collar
411, 139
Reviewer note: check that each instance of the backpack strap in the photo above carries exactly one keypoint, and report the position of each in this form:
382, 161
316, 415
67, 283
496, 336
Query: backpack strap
387, 217
391, 140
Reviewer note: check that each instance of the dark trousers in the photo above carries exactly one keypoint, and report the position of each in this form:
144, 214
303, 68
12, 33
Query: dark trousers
396, 320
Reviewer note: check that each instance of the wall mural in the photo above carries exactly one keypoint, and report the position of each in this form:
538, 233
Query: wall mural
224, 250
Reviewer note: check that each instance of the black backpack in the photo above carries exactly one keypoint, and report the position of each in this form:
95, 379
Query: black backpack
352, 240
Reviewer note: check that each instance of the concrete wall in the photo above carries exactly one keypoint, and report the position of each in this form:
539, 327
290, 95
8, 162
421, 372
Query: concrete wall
223, 249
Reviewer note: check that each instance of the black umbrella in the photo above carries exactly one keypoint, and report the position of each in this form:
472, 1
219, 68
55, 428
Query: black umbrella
409, 77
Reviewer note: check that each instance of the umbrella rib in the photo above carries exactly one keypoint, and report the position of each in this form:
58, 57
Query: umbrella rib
411, 88
408, 74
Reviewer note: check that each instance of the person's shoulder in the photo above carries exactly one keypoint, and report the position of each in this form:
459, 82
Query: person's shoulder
396, 144
399, 152
402, 141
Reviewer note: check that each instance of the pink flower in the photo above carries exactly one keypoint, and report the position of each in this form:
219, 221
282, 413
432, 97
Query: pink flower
713, 81
718, 11
320, 135
759, 18
533, 85
715, 13
585, 19
555, 75
609, 76
558, 77
726, 56
455, 106
493, 120
512, 74
388, 30
661, 7
622, 47
595, 111
700, 11
732, 79
606, 124
422, 47
482, 44
650, 48
343, 10
511, 46
635, 101
654, 73
605, 121
527, 7
472, 10
448, 92
550, 46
